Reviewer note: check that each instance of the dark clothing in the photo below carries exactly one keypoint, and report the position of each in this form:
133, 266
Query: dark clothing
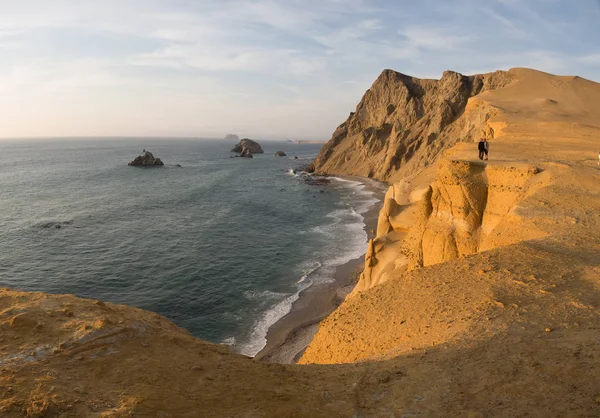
483, 147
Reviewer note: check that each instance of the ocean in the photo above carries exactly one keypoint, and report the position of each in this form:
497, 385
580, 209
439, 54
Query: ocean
220, 246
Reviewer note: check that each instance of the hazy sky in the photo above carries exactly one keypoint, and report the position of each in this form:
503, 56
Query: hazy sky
259, 68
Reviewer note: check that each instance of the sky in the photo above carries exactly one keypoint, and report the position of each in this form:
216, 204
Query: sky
258, 68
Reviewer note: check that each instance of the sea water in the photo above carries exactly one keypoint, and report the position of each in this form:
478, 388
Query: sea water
221, 246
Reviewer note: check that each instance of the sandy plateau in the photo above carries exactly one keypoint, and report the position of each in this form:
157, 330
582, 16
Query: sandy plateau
480, 295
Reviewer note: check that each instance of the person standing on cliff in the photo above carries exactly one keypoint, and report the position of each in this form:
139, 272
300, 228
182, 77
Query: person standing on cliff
483, 147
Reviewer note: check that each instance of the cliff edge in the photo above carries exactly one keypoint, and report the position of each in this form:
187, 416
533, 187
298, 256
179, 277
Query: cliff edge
490, 270
404, 123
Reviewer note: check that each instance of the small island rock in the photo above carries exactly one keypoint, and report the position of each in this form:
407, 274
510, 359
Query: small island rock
280, 154
246, 153
248, 144
146, 160
231, 137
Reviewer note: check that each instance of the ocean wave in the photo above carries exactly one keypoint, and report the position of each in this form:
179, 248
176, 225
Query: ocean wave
229, 341
267, 294
258, 337
308, 269
363, 198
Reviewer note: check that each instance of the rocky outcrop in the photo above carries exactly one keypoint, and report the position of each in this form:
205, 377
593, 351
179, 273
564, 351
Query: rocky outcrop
280, 154
231, 137
146, 160
470, 207
245, 153
466, 205
249, 145
403, 124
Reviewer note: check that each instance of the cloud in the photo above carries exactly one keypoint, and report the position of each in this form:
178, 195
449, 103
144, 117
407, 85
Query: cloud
433, 39
143, 66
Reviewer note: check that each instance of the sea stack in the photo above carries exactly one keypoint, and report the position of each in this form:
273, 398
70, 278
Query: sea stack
248, 144
246, 153
231, 137
146, 160
280, 154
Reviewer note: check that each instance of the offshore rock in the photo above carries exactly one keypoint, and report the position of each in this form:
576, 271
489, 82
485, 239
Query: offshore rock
280, 154
231, 137
146, 160
248, 144
246, 153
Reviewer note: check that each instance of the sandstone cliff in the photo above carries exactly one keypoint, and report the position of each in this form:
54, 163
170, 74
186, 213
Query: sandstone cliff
499, 258
461, 205
403, 124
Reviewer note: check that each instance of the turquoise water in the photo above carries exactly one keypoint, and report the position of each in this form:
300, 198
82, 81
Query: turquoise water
220, 246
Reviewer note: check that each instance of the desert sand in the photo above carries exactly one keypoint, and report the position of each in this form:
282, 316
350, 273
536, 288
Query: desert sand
479, 296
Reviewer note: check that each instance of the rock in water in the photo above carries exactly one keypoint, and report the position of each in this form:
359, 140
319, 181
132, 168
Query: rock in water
280, 154
246, 153
231, 137
146, 160
248, 144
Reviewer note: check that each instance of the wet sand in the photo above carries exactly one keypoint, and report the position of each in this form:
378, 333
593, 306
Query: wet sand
288, 338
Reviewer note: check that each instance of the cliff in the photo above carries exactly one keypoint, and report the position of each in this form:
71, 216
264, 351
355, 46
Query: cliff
404, 123
492, 265
62, 356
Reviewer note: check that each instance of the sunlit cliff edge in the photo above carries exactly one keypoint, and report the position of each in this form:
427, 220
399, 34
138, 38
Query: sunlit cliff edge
479, 296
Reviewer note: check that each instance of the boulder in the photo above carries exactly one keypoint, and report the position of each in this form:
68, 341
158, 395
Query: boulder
249, 145
280, 154
146, 160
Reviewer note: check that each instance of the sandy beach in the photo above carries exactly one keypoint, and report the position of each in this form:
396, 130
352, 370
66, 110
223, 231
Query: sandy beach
288, 338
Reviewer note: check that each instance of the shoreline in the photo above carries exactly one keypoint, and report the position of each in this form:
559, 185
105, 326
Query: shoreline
288, 338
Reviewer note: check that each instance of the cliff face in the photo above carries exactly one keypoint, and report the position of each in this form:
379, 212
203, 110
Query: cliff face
404, 123
461, 206
498, 258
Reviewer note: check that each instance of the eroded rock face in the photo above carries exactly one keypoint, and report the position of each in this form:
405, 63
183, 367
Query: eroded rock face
146, 160
248, 144
403, 124
469, 208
